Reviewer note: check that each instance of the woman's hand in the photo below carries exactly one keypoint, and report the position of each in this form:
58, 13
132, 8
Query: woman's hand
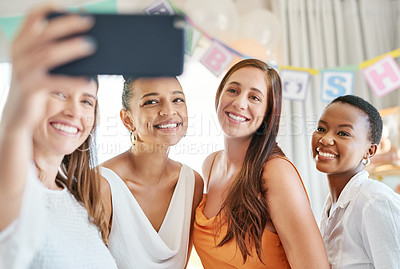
37, 49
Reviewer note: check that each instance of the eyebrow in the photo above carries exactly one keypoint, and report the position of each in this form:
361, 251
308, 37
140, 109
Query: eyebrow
252, 88
156, 94
340, 125
90, 95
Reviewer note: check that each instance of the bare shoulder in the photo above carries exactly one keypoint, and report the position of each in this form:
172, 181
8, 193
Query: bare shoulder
198, 179
282, 178
105, 188
106, 198
198, 189
115, 162
291, 215
208, 161
279, 169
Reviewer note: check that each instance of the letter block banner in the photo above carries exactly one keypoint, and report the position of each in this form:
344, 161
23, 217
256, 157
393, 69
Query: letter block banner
294, 84
192, 38
217, 58
335, 84
383, 77
161, 7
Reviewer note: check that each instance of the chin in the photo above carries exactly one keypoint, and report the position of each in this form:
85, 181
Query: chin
324, 170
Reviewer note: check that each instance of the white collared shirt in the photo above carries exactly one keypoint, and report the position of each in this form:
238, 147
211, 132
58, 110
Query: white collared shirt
363, 229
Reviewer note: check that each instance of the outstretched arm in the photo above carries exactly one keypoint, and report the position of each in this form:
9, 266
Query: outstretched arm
292, 217
35, 50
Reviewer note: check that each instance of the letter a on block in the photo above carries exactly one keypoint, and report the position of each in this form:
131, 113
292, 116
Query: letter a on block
383, 76
216, 59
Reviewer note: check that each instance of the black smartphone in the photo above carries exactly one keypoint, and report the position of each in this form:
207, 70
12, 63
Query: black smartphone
132, 45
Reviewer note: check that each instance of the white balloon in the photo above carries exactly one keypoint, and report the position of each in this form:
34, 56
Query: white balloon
217, 18
261, 25
244, 6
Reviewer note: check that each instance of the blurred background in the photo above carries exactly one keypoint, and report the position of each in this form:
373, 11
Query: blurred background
322, 49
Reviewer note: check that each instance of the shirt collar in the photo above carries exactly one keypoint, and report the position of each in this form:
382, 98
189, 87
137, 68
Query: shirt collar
351, 188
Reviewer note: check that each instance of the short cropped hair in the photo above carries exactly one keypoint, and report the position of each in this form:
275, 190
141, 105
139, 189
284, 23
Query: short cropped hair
374, 118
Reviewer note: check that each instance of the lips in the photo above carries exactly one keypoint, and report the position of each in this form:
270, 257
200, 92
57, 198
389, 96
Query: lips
65, 128
236, 117
326, 153
167, 125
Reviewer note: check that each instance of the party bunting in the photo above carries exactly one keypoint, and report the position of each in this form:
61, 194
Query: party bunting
294, 84
10, 26
217, 58
382, 73
383, 76
106, 6
160, 7
336, 83
192, 38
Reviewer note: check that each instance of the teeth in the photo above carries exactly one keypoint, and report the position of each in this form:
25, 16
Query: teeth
165, 126
324, 154
65, 128
237, 118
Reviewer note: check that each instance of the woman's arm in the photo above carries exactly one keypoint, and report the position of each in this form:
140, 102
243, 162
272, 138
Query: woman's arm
35, 50
197, 196
106, 199
292, 217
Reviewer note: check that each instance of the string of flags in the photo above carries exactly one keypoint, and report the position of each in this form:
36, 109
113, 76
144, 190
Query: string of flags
381, 73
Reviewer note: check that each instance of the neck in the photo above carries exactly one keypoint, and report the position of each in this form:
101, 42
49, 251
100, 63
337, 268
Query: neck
47, 165
149, 161
235, 151
337, 182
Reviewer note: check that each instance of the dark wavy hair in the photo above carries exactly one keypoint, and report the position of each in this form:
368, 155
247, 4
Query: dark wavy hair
245, 206
374, 118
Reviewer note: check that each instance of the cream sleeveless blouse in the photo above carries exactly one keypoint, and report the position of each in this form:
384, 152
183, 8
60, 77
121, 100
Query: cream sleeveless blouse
133, 242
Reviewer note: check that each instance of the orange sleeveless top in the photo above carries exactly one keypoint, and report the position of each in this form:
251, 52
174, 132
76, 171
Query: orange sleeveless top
229, 255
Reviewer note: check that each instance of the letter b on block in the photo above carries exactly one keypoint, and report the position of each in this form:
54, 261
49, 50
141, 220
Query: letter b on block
216, 59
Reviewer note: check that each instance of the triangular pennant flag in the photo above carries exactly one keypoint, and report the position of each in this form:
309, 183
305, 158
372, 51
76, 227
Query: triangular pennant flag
107, 6
10, 26
192, 38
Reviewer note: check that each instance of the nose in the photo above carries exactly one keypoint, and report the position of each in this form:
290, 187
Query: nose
240, 102
327, 140
71, 108
168, 109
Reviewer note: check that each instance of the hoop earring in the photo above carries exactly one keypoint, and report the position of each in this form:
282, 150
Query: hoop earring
366, 161
130, 137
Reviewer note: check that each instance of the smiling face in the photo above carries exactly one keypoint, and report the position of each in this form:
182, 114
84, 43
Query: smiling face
157, 111
243, 102
341, 140
68, 121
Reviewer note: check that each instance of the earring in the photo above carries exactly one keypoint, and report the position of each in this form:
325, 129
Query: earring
366, 161
83, 150
134, 137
